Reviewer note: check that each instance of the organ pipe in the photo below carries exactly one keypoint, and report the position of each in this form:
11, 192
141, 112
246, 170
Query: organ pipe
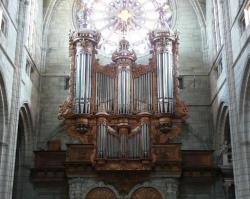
163, 42
143, 92
124, 91
101, 140
83, 81
124, 59
165, 81
104, 92
83, 47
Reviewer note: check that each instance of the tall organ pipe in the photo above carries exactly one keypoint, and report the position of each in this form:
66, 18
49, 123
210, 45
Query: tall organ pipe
165, 81
145, 139
104, 92
143, 92
124, 91
101, 143
83, 80
163, 41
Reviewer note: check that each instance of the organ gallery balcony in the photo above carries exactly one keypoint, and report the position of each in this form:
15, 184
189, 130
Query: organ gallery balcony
79, 159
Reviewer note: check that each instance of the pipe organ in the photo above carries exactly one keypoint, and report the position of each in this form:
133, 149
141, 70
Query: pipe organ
123, 109
104, 92
84, 48
143, 92
163, 46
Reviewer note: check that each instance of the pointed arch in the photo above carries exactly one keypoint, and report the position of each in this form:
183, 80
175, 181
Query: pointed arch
244, 104
221, 122
3, 111
24, 150
25, 116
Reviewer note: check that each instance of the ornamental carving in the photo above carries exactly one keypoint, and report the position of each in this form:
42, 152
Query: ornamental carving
123, 109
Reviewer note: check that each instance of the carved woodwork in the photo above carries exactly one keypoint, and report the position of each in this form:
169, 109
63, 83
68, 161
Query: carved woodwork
146, 193
54, 166
49, 159
166, 153
124, 137
103, 193
80, 153
49, 166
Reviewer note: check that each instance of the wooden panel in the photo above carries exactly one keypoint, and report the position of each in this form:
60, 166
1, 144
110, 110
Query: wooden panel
101, 193
49, 159
48, 175
171, 152
146, 193
80, 152
197, 159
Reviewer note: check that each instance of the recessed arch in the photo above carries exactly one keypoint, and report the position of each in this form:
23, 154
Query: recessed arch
221, 121
244, 123
3, 112
24, 151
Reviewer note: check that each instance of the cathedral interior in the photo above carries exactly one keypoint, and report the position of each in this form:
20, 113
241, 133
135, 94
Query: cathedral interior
124, 99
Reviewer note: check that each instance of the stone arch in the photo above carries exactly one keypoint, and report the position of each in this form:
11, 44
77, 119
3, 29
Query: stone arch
25, 114
221, 121
24, 151
223, 136
146, 193
245, 101
94, 185
3, 112
243, 133
101, 192
150, 185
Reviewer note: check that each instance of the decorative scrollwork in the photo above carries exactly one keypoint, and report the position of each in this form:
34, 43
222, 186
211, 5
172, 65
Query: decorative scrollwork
65, 109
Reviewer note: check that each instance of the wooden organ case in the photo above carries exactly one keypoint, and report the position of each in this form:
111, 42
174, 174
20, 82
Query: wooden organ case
124, 113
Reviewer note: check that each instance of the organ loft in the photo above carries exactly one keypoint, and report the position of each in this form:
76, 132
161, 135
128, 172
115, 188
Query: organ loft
126, 117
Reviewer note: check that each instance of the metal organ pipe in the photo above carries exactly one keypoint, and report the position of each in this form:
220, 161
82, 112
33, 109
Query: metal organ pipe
124, 91
165, 81
83, 80
104, 92
143, 92
101, 140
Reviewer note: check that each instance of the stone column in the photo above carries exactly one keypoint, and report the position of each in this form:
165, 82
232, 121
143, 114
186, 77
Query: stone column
239, 147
